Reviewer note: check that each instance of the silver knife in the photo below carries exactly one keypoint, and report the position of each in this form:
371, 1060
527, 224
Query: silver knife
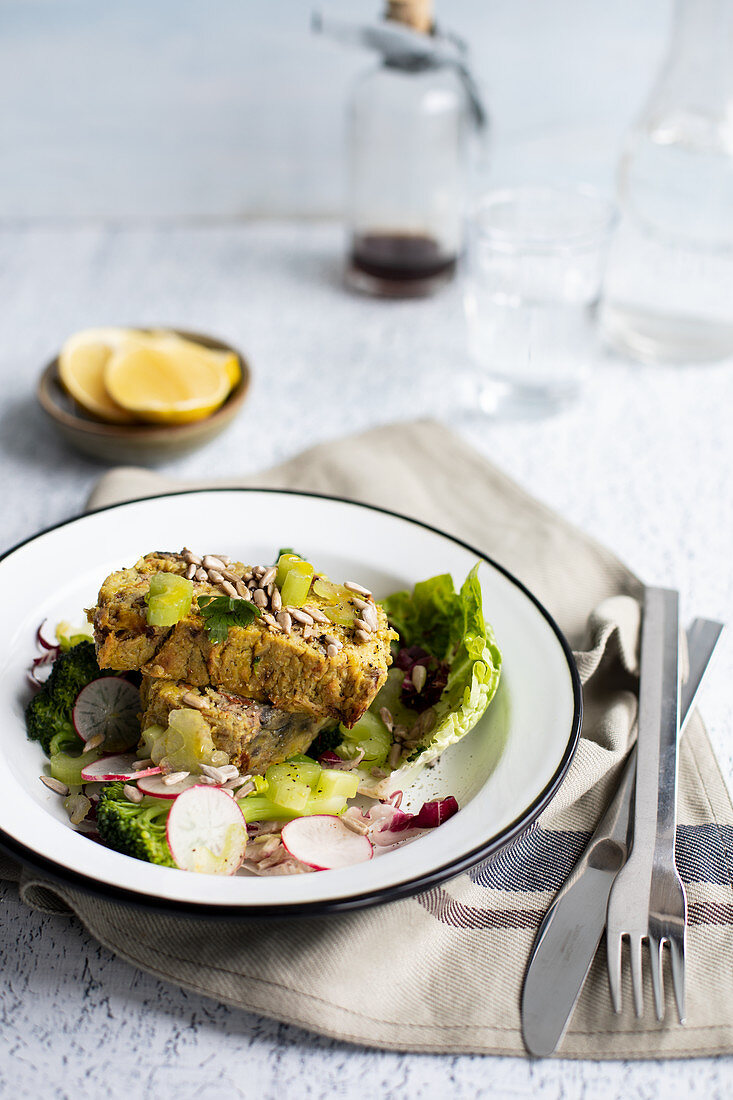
572, 928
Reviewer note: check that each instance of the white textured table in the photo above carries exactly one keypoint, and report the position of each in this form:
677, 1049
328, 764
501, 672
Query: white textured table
643, 463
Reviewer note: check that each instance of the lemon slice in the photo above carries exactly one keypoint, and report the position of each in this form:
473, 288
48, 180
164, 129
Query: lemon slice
82, 361
166, 386
183, 349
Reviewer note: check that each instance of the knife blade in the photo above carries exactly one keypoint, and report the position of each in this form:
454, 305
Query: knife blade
572, 928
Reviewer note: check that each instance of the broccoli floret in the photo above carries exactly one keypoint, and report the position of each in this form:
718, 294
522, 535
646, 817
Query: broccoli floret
328, 740
134, 828
49, 713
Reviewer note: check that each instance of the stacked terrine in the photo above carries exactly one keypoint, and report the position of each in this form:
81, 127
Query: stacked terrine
266, 686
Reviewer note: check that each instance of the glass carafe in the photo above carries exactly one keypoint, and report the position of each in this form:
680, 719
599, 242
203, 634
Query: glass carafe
669, 286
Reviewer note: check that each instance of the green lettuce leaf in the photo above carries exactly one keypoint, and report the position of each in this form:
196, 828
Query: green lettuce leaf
451, 626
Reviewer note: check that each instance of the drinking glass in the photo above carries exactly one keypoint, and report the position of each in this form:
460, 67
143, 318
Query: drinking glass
535, 266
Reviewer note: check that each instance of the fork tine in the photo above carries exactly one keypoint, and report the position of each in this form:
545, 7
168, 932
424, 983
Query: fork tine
656, 946
614, 946
636, 973
677, 958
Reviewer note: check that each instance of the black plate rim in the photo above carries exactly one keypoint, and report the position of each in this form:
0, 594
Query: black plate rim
398, 892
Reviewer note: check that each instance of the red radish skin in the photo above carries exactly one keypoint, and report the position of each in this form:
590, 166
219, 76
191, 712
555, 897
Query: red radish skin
323, 842
154, 786
44, 640
110, 706
206, 831
108, 768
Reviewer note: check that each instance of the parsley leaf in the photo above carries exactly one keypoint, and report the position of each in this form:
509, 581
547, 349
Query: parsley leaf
221, 612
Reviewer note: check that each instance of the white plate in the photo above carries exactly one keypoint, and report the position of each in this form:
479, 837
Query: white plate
503, 773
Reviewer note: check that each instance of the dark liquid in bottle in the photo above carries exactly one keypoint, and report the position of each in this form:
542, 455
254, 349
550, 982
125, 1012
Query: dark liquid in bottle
399, 264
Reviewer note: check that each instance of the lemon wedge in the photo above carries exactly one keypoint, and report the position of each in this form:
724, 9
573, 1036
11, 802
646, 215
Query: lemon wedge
168, 384
82, 361
183, 349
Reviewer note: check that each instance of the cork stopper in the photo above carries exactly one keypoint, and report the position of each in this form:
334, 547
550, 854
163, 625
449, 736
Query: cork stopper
417, 14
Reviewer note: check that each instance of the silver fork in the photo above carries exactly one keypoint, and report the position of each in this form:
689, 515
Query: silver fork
647, 901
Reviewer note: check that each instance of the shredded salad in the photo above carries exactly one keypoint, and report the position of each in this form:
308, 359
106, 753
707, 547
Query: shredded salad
171, 797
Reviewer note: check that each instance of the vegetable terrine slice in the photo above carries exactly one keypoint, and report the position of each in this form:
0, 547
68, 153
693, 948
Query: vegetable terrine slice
253, 735
326, 657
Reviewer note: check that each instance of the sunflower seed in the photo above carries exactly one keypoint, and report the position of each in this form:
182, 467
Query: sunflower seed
260, 570
201, 575
425, 722
399, 733
386, 715
271, 621
138, 765
276, 599
356, 826
215, 576
94, 742
230, 576
332, 651
224, 559
328, 639
247, 576
260, 598
54, 785
213, 772
212, 562
378, 773
175, 777
242, 590
237, 781
190, 699
300, 616
243, 790
230, 590
132, 794
361, 636
189, 557
308, 632
285, 621
419, 675
207, 781
229, 771
191, 571
394, 755
268, 576
364, 626
358, 588
315, 614
369, 615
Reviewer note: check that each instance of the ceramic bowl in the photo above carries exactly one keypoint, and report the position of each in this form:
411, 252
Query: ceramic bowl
137, 444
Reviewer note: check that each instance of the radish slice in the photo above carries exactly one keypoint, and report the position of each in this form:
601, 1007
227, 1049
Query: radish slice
109, 706
206, 831
44, 639
154, 785
115, 767
39, 673
323, 841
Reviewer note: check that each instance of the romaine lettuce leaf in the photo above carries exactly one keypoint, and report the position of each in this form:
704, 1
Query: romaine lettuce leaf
450, 625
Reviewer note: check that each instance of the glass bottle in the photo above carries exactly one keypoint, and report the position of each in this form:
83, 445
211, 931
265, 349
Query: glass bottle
408, 123
669, 287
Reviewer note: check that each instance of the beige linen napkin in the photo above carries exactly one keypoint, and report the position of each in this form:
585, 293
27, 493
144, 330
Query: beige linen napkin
442, 972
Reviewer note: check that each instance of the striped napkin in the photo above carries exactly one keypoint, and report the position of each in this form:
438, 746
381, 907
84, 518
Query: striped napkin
442, 972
